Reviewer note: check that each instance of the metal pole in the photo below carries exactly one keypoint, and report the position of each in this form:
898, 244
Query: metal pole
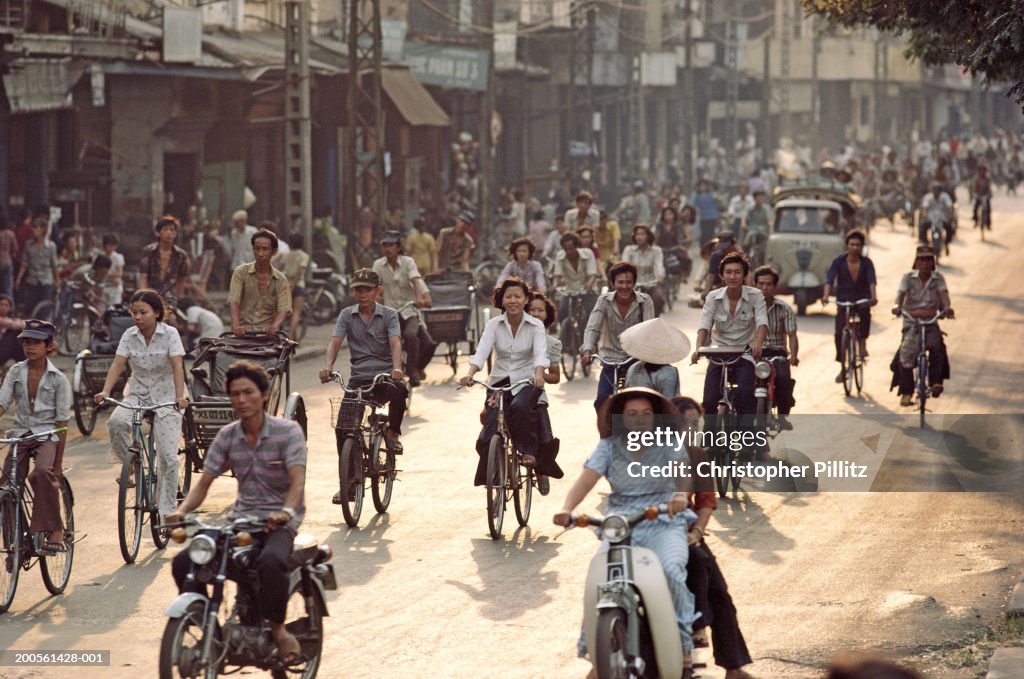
364, 166
298, 126
486, 116
688, 108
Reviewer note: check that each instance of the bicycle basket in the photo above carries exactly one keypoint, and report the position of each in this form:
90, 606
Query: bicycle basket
349, 414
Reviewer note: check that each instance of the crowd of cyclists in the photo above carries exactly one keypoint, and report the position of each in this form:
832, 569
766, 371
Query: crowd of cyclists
622, 265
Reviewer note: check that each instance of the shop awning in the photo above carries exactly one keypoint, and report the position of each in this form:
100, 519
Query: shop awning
412, 99
41, 85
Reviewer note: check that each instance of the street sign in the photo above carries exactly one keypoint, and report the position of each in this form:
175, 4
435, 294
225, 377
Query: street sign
460, 68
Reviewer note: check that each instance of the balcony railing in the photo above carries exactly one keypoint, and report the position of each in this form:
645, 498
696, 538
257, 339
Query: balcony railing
13, 14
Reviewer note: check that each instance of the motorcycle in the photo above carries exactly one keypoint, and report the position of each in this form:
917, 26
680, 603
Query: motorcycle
326, 295
629, 620
767, 413
202, 640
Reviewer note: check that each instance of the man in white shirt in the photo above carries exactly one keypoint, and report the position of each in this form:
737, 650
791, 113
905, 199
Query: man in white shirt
938, 208
239, 239
733, 316
740, 206
584, 214
201, 321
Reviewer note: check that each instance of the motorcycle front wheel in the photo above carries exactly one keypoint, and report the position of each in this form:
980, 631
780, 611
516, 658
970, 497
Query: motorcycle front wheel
611, 660
181, 649
304, 618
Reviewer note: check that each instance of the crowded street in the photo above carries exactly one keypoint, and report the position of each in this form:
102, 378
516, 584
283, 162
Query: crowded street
423, 590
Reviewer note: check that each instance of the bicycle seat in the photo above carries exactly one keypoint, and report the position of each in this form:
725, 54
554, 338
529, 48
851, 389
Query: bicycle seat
722, 353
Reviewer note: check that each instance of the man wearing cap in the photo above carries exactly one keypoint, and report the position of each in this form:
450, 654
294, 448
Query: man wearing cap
922, 293
260, 296
41, 396
403, 290
375, 346
240, 239
454, 245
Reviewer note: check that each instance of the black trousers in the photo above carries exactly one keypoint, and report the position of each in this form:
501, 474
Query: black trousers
716, 608
392, 393
522, 426
863, 330
271, 564
784, 384
411, 341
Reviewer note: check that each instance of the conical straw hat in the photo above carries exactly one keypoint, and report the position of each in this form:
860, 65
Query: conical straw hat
655, 341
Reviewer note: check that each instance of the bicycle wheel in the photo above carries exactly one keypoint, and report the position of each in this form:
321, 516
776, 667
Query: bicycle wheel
846, 349
721, 455
129, 507
568, 365
44, 311
56, 568
351, 474
78, 330
523, 481
922, 385
382, 468
495, 486
85, 408
858, 371
322, 307
10, 541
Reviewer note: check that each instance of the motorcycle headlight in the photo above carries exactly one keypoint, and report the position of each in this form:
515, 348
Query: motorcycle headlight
762, 369
201, 550
615, 528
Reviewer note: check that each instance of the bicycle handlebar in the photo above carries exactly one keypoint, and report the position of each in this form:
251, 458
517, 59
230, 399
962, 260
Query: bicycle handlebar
857, 303
377, 379
129, 406
490, 388
610, 363
41, 436
931, 321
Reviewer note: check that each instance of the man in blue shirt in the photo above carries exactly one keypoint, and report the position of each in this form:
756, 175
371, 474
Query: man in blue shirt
852, 277
707, 209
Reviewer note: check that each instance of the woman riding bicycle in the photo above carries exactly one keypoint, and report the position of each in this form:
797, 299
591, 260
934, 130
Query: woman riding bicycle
155, 353
543, 310
523, 266
650, 264
627, 412
520, 352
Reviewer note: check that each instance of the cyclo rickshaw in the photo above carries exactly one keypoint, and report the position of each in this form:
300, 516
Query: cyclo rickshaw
210, 408
812, 218
456, 315
93, 364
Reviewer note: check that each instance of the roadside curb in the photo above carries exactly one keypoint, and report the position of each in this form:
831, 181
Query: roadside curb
306, 353
1015, 607
1007, 663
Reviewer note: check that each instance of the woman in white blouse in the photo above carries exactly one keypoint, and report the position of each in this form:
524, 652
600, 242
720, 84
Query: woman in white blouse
523, 266
156, 355
520, 352
649, 261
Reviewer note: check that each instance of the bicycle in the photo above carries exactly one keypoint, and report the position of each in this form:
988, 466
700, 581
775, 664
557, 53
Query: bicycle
19, 545
983, 215
849, 347
922, 382
507, 476
725, 421
73, 316
620, 374
136, 495
363, 450
572, 336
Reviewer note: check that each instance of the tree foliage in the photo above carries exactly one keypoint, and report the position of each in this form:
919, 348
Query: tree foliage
985, 36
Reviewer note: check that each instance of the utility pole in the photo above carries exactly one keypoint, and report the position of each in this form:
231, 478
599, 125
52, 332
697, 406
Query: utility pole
688, 109
732, 47
364, 132
487, 183
766, 99
815, 86
633, 30
298, 164
581, 73
785, 117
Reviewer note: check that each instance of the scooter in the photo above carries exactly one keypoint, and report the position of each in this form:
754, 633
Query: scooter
629, 620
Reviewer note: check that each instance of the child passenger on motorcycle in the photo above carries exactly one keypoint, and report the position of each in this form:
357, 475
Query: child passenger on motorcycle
635, 410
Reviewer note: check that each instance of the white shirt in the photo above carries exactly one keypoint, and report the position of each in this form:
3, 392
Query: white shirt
208, 324
514, 357
936, 207
397, 283
593, 218
152, 380
241, 245
649, 263
113, 290
740, 207
740, 328
573, 281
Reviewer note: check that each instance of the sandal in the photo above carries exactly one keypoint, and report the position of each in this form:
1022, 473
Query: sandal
53, 546
543, 485
289, 651
395, 447
700, 638
527, 460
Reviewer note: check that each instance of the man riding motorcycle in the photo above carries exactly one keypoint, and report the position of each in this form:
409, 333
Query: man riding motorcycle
268, 456
936, 206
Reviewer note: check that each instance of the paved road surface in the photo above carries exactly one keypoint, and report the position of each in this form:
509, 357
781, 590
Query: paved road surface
424, 592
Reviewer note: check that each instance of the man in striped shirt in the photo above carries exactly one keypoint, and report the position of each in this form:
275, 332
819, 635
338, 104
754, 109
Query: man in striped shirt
781, 331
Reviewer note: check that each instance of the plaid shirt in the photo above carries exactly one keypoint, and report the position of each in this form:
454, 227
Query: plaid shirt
781, 322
